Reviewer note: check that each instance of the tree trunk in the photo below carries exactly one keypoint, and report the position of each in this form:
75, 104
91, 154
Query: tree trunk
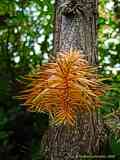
75, 27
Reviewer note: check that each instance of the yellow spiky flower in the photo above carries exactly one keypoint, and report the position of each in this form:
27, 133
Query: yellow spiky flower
64, 87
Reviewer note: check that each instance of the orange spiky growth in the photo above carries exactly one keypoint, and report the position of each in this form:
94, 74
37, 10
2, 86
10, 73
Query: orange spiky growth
64, 87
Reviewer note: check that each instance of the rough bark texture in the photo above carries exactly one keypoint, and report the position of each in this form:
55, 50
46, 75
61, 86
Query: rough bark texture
76, 30
75, 27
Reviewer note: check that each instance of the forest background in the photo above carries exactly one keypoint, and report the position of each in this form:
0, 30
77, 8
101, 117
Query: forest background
26, 41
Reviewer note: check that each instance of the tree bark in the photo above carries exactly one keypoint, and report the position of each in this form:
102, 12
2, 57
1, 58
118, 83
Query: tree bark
75, 27
76, 31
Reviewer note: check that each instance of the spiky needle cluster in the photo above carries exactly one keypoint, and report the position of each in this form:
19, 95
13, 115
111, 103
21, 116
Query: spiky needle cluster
64, 87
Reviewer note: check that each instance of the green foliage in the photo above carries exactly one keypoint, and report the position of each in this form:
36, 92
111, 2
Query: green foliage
25, 42
26, 33
109, 57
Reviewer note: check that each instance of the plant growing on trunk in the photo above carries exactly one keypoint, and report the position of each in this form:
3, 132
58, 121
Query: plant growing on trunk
64, 87
68, 88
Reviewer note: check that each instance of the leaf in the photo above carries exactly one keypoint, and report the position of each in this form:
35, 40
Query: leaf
64, 87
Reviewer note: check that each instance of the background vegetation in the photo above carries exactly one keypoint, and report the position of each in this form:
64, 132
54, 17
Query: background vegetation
26, 34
